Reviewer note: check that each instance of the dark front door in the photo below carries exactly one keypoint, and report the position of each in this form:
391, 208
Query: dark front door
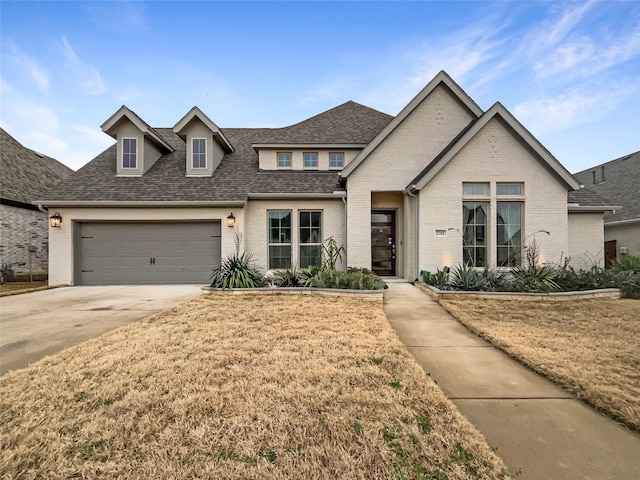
609, 252
383, 242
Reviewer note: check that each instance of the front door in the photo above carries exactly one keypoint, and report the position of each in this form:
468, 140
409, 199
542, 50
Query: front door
383, 242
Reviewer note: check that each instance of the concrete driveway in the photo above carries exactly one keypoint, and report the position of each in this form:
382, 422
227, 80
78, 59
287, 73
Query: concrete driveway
34, 325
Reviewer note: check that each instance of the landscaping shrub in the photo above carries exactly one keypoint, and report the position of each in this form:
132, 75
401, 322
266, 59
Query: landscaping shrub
327, 278
466, 278
288, 277
237, 271
440, 279
626, 263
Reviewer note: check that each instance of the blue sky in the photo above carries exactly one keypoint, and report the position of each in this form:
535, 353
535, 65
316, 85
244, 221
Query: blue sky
569, 71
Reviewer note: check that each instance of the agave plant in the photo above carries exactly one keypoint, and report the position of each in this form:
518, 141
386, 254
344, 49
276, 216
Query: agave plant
539, 278
440, 279
237, 271
288, 277
467, 279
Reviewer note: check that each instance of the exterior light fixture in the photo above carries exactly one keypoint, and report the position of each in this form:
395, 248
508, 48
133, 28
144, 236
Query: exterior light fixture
55, 220
231, 220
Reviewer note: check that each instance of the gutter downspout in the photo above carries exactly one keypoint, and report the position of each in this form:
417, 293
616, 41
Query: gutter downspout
343, 197
43, 209
409, 192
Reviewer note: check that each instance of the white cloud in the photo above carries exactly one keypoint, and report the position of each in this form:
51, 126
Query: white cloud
88, 75
577, 106
31, 67
92, 136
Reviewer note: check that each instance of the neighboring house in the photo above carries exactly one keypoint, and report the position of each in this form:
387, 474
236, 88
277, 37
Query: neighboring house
619, 182
24, 230
441, 183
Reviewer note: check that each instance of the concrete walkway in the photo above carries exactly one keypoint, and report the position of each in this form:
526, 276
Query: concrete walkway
538, 429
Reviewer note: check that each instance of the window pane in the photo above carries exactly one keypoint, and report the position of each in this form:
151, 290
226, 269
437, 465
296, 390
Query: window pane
509, 238
509, 189
284, 159
199, 157
279, 256
336, 160
315, 219
475, 189
310, 255
310, 229
129, 153
310, 160
474, 238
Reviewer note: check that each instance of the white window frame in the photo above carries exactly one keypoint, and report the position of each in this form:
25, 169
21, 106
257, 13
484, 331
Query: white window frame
193, 153
290, 165
304, 161
336, 167
137, 156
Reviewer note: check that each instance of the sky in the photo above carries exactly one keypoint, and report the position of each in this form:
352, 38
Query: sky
568, 71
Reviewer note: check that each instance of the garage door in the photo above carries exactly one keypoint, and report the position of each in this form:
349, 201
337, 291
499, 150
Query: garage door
146, 253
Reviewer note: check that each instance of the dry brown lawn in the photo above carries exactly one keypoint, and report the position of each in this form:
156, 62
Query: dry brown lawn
239, 387
589, 347
13, 288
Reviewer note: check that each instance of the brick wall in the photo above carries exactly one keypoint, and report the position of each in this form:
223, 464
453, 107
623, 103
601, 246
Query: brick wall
24, 238
586, 240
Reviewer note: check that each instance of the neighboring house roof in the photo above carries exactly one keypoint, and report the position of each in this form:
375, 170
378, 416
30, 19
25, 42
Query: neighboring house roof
620, 185
497, 110
166, 181
349, 123
441, 78
26, 174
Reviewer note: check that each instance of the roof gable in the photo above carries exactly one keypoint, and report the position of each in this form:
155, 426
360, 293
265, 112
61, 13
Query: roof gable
441, 78
194, 113
497, 110
109, 126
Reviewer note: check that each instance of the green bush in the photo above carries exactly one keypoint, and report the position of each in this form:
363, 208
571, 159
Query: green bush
328, 278
466, 278
237, 271
626, 263
440, 279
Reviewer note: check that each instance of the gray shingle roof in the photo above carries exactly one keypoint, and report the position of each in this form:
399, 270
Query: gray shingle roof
26, 174
238, 173
621, 185
346, 123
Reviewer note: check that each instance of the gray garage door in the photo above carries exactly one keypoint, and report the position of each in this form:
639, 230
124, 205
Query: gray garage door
146, 253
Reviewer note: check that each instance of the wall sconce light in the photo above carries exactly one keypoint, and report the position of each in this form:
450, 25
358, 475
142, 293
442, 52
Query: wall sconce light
231, 220
55, 220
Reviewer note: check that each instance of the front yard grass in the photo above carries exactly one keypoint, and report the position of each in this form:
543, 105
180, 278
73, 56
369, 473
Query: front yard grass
589, 347
239, 387
14, 288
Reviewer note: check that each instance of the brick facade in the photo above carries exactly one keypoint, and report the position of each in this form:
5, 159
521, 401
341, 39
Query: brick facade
24, 239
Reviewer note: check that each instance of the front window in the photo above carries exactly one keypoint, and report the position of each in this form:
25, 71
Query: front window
310, 239
279, 239
199, 152
129, 153
509, 242
475, 189
474, 218
336, 160
310, 160
284, 159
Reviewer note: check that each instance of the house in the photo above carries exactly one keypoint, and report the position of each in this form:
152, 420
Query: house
441, 183
24, 229
618, 180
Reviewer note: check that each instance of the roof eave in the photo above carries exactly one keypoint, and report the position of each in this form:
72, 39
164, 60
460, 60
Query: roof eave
572, 207
135, 204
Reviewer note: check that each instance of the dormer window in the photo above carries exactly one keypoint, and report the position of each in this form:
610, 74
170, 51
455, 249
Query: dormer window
336, 160
199, 153
129, 153
284, 159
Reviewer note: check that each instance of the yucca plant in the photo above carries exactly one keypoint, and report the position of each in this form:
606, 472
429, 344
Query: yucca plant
539, 278
288, 277
237, 271
626, 263
467, 279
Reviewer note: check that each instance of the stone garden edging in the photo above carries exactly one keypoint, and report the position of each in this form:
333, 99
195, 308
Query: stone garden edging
372, 295
437, 294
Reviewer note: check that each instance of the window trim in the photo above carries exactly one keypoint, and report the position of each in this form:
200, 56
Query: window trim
137, 156
193, 167
304, 160
279, 244
284, 167
309, 244
334, 167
